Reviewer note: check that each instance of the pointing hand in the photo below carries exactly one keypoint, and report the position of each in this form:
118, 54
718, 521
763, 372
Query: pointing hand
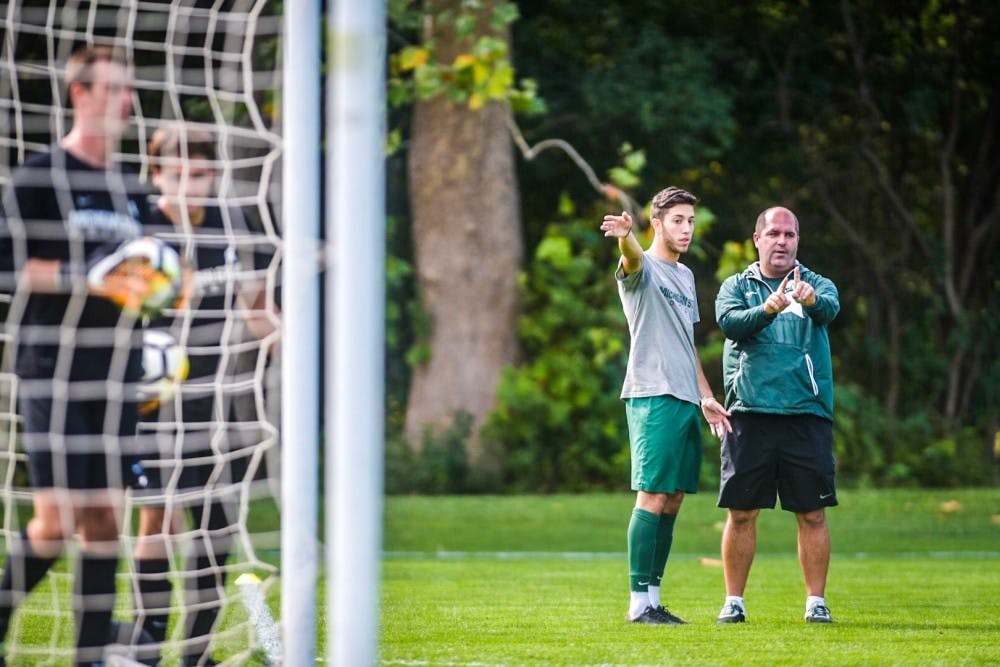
777, 302
618, 226
804, 293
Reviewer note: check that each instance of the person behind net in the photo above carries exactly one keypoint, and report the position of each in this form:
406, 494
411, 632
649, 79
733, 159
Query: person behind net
78, 345
198, 460
663, 389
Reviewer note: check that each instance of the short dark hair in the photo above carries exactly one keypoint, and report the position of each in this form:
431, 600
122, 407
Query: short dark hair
178, 141
669, 197
80, 64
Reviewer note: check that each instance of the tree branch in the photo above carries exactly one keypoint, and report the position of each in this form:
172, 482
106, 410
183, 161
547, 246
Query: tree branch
948, 195
884, 291
882, 176
604, 189
864, 92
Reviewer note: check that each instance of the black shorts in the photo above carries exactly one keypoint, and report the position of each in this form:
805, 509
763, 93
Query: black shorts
767, 456
205, 468
187, 461
68, 446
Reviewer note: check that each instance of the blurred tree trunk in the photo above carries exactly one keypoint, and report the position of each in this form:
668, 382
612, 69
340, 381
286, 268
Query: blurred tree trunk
467, 250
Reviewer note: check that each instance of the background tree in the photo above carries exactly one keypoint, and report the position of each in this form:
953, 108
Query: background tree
877, 124
465, 212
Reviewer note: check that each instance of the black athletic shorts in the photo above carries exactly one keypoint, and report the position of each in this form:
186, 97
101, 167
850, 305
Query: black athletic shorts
769, 456
189, 461
68, 448
202, 469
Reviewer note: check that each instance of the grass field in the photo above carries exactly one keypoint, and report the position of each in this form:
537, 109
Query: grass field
915, 580
542, 580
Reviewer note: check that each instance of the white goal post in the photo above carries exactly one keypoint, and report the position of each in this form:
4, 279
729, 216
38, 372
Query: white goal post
300, 368
253, 78
355, 325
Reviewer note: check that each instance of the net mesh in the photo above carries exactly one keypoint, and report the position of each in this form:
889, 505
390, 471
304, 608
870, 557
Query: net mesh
213, 65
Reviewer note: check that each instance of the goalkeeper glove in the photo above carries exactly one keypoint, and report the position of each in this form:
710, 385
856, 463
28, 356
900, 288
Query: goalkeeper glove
143, 276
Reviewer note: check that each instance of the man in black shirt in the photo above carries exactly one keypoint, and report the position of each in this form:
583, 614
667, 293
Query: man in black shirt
78, 354
205, 458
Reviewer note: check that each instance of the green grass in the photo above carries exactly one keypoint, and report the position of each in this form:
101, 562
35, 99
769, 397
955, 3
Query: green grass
890, 521
915, 580
42, 631
542, 580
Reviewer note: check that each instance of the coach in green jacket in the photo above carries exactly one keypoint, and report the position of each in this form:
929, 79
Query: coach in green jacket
779, 388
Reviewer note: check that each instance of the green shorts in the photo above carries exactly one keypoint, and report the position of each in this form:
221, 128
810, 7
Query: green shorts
665, 437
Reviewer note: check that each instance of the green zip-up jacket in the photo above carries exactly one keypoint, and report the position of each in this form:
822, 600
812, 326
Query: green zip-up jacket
776, 364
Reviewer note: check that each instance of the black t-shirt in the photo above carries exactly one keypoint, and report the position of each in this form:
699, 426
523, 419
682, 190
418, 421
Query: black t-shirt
61, 208
223, 255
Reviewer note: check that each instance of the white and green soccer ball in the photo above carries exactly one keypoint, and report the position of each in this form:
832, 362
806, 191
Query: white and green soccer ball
165, 281
164, 365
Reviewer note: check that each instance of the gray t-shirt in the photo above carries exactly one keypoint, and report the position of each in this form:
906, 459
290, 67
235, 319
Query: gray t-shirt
661, 307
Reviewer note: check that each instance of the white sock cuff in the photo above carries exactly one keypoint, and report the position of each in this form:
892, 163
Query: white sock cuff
813, 600
638, 601
737, 600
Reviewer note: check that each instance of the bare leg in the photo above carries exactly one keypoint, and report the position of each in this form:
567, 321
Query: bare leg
155, 530
739, 543
814, 550
53, 519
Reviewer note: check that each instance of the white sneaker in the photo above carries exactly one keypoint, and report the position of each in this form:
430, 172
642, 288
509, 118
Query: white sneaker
818, 613
732, 613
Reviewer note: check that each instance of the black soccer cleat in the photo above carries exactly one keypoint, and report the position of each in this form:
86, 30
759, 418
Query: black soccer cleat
650, 616
732, 613
671, 618
141, 647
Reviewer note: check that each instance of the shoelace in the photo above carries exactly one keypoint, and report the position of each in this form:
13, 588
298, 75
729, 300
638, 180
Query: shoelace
734, 609
820, 610
665, 613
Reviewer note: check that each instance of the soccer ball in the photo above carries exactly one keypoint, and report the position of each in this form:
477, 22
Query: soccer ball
165, 280
164, 365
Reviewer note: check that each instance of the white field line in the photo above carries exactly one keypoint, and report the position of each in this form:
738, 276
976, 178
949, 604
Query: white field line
264, 625
615, 555
438, 663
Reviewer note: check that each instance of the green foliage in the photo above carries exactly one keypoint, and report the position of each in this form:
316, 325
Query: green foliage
480, 74
441, 465
735, 257
745, 124
404, 316
874, 451
626, 175
559, 423
661, 85
877, 123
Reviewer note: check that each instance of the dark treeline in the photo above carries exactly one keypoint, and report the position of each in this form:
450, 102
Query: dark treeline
877, 123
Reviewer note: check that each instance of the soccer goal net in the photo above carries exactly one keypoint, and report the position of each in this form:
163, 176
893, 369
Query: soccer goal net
201, 145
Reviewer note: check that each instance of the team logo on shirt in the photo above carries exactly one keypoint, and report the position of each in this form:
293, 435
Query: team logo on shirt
676, 298
96, 223
215, 280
